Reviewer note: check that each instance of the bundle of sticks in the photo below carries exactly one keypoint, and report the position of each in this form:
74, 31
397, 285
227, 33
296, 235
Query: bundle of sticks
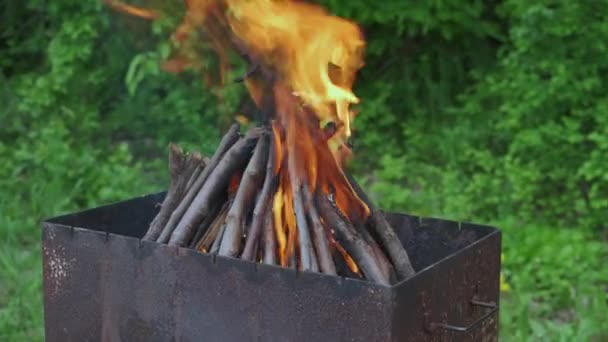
224, 205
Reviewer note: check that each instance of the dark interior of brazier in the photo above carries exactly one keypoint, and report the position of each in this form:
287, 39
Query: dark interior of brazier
427, 240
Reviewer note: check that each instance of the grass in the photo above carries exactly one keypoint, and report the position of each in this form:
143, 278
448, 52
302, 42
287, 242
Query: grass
21, 316
558, 284
556, 277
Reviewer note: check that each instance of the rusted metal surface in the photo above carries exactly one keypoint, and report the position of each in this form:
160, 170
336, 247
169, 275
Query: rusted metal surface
444, 293
102, 282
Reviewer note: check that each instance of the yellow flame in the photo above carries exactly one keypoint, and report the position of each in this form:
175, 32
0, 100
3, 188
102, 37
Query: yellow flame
277, 211
317, 54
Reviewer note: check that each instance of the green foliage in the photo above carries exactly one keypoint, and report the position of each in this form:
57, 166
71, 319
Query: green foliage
557, 282
476, 110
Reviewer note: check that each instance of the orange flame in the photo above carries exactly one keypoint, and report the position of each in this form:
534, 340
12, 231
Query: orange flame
352, 265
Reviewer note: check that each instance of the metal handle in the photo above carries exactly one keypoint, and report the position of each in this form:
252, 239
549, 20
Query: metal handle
491, 309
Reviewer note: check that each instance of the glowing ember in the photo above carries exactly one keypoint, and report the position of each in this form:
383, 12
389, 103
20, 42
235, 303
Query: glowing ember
234, 183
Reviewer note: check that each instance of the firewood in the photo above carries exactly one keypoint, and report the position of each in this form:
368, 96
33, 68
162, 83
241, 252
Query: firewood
394, 248
270, 243
205, 226
212, 234
380, 255
196, 173
181, 169
215, 247
228, 140
250, 183
176, 167
353, 242
308, 259
319, 235
217, 182
262, 205
341, 265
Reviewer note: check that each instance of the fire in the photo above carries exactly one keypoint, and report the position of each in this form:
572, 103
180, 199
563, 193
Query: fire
307, 61
352, 265
277, 211
316, 53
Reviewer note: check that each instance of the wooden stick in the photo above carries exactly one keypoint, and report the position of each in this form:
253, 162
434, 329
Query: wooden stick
353, 242
342, 267
270, 243
262, 205
234, 159
204, 244
307, 252
319, 234
250, 183
315, 262
394, 248
218, 240
228, 140
176, 167
196, 173
181, 169
381, 257
204, 228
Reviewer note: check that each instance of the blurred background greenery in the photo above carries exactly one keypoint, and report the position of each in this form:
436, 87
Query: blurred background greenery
490, 111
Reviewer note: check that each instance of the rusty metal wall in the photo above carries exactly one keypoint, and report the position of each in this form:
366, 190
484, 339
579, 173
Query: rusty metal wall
102, 286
